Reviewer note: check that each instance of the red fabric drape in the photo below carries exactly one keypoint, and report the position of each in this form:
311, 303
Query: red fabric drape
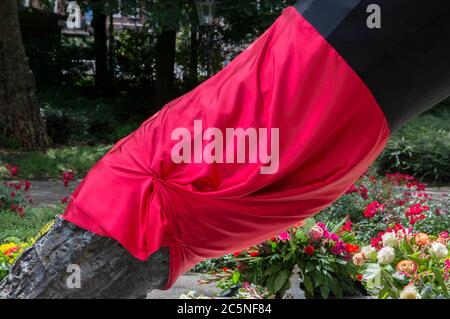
330, 130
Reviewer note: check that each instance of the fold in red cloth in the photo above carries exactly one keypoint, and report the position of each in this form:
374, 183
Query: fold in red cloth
330, 130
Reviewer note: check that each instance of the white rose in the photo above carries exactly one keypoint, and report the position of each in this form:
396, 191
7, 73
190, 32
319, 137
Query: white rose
386, 255
439, 250
410, 292
389, 239
368, 251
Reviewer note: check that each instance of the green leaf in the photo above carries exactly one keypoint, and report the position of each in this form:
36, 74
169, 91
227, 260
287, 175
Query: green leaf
281, 279
308, 284
270, 282
274, 268
324, 292
339, 225
308, 223
236, 276
384, 293
441, 281
333, 284
309, 267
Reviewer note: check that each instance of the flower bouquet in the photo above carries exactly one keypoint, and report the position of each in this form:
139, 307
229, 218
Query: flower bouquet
322, 252
401, 263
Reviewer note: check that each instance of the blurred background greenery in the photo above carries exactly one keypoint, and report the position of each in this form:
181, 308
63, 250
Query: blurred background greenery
97, 83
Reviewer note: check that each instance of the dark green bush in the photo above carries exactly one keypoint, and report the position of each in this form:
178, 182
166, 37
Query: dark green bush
421, 148
75, 117
134, 63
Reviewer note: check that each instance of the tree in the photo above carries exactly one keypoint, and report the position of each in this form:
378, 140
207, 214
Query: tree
104, 268
194, 47
165, 64
165, 17
102, 78
19, 107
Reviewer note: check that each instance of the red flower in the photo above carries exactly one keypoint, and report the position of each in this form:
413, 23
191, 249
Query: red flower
237, 253
359, 277
351, 249
13, 169
67, 177
11, 250
363, 191
27, 185
398, 227
376, 243
65, 200
415, 209
400, 202
310, 250
225, 269
13, 194
19, 210
372, 209
352, 189
420, 187
347, 226
254, 254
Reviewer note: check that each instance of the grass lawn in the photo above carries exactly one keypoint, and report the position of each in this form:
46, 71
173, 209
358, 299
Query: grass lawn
49, 165
11, 225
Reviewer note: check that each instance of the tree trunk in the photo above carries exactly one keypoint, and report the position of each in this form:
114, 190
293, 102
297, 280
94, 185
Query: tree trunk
165, 66
101, 50
106, 269
193, 59
111, 47
19, 107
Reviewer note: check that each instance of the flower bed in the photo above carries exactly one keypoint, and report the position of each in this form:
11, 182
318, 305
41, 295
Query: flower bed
385, 237
12, 248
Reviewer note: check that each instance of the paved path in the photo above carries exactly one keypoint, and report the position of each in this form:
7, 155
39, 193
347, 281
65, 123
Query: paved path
441, 194
50, 193
46, 193
184, 284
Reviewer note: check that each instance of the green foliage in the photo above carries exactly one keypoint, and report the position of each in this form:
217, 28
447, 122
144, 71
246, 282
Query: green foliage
73, 116
14, 226
421, 148
167, 15
72, 61
46, 58
50, 164
135, 57
245, 20
213, 264
13, 197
